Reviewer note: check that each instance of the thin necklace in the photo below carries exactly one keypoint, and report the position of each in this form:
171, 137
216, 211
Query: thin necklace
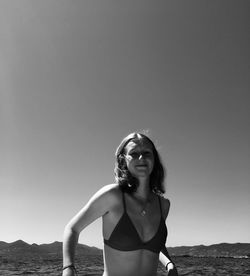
143, 211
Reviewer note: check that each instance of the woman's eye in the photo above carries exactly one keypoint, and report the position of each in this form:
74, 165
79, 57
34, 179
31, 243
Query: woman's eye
134, 155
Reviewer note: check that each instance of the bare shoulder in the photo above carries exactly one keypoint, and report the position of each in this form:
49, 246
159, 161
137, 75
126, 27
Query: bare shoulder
165, 202
111, 193
101, 203
112, 190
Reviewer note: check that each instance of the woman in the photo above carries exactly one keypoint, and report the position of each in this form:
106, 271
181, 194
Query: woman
133, 215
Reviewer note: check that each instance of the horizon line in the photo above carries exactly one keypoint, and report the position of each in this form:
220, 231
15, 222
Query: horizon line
102, 249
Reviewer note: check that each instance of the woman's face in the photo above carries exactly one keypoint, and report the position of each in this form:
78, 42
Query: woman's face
139, 158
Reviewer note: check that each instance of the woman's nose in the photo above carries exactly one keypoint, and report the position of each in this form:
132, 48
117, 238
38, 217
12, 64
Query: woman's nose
140, 156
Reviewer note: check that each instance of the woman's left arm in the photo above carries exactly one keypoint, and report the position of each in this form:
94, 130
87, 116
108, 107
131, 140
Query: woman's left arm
168, 263
164, 255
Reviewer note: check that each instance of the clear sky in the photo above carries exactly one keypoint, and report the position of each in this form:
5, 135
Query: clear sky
78, 76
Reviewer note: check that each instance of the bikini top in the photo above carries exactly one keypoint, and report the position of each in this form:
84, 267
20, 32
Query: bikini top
126, 238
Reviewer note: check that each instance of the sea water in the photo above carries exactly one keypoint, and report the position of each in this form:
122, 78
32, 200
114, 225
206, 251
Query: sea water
93, 265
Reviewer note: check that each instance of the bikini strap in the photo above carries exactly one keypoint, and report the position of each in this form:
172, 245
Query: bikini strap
160, 204
124, 202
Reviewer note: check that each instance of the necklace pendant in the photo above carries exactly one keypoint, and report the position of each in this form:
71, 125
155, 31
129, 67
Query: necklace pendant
143, 213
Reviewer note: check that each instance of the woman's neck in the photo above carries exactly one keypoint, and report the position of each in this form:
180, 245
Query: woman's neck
143, 189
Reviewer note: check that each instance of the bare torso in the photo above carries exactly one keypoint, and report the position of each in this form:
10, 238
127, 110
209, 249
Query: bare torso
139, 262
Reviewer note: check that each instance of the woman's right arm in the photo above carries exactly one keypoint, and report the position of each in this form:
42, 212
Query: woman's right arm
98, 205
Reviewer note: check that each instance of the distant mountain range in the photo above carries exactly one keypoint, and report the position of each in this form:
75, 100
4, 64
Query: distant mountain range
20, 249
214, 250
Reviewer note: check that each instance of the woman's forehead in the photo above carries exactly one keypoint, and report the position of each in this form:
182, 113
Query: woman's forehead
138, 144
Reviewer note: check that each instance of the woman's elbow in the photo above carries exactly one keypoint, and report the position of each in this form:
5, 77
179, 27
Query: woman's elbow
71, 230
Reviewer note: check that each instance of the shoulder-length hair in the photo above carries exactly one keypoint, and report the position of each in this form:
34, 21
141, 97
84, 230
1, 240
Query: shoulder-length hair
127, 182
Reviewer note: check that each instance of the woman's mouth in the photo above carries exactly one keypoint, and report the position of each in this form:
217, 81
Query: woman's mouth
141, 166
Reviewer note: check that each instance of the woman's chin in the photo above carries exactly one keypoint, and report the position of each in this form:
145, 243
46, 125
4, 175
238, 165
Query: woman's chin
142, 174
